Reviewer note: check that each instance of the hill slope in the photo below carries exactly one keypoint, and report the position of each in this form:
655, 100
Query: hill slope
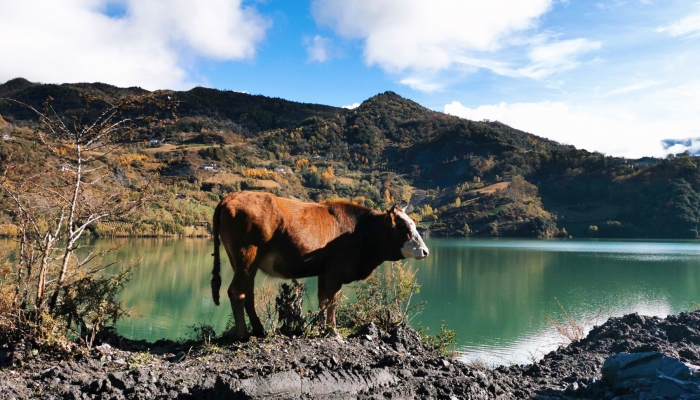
387, 150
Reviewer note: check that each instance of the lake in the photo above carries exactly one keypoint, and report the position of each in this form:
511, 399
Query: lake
493, 292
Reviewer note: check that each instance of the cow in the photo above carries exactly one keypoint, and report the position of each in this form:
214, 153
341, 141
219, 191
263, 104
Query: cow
337, 241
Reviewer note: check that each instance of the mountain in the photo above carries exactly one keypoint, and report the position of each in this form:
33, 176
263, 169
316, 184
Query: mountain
461, 177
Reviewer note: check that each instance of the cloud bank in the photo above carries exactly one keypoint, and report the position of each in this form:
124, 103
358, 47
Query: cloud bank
610, 131
153, 44
686, 27
418, 39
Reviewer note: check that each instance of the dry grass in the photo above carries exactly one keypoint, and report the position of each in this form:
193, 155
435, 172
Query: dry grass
226, 178
346, 181
265, 306
573, 329
493, 188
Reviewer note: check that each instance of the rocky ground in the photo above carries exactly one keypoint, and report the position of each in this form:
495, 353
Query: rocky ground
631, 357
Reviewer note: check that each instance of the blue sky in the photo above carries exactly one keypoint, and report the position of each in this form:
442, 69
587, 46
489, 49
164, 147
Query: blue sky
613, 76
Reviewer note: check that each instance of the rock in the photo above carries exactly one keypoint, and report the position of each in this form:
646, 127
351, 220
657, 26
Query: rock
119, 361
51, 372
178, 357
368, 332
651, 372
104, 348
5, 357
117, 380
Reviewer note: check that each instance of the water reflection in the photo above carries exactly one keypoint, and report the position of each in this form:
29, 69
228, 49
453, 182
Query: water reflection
493, 293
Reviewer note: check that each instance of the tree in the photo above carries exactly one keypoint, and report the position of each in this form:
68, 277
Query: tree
59, 196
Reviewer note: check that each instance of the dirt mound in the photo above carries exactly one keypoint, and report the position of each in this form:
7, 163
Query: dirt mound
369, 364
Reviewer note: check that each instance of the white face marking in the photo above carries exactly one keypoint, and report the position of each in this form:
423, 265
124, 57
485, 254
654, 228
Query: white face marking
414, 247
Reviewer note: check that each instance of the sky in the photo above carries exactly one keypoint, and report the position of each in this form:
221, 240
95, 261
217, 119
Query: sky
621, 77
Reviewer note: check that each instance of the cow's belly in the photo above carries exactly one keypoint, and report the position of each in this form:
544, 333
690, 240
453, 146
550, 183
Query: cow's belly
273, 265
290, 267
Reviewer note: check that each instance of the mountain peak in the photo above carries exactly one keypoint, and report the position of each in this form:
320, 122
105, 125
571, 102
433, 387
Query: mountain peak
14, 84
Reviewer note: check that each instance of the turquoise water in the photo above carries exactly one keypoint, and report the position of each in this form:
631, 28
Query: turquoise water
493, 292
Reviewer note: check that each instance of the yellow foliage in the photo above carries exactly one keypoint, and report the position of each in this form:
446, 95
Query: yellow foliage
313, 169
301, 164
387, 197
127, 159
9, 230
328, 175
259, 173
359, 200
6, 289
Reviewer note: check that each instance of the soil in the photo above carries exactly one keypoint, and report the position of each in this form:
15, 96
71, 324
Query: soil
369, 364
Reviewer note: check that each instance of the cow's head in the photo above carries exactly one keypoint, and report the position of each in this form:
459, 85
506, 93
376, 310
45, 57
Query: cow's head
404, 234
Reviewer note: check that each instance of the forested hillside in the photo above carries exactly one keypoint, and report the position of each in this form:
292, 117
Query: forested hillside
461, 177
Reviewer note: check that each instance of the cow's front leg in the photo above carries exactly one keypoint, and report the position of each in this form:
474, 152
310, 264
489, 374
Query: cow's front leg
322, 300
332, 296
328, 291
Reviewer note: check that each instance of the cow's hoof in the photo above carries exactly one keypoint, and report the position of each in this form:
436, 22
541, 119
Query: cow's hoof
240, 337
260, 334
333, 333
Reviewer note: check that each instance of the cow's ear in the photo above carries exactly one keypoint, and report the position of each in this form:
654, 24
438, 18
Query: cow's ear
391, 210
389, 220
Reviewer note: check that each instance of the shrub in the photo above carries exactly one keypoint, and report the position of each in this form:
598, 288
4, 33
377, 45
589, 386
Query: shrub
571, 328
440, 342
384, 298
56, 295
289, 305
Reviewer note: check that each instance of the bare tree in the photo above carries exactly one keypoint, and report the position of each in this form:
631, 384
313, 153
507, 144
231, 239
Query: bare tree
58, 196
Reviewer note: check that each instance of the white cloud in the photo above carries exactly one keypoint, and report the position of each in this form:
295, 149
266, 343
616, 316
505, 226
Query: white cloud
417, 40
352, 106
688, 26
606, 129
676, 146
632, 88
421, 35
547, 59
152, 45
422, 84
318, 48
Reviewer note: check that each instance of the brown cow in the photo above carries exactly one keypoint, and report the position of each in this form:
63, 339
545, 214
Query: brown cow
338, 241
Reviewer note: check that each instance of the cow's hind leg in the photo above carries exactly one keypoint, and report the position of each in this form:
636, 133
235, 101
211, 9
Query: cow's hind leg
237, 292
258, 329
243, 282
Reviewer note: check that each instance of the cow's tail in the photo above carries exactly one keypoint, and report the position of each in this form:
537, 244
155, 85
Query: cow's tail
216, 272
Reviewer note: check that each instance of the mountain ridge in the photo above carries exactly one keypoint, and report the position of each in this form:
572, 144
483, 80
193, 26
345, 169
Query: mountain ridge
391, 148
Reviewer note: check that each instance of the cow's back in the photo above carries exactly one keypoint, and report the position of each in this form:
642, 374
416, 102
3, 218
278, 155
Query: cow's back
249, 218
284, 232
